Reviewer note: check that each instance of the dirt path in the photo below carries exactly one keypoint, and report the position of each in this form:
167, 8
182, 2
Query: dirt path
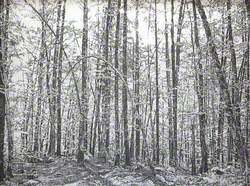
67, 172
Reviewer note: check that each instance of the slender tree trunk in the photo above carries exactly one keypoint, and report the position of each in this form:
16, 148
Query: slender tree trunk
59, 85
40, 84
171, 137
98, 92
124, 88
117, 123
169, 86
54, 81
8, 117
82, 147
248, 74
2, 94
137, 86
173, 153
221, 107
157, 116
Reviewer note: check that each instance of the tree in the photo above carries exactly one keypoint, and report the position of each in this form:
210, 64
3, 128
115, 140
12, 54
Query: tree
157, 91
124, 87
200, 94
8, 117
248, 72
54, 81
59, 85
106, 86
38, 121
241, 146
137, 84
82, 147
2, 94
168, 73
171, 131
117, 123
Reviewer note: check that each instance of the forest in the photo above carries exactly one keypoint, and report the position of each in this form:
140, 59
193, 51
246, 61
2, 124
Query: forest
124, 92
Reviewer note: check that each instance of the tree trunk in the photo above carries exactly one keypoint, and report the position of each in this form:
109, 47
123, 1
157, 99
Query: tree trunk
8, 117
117, 123
106, 88
2, 95
200, 94
59, 85
157, 116
40, 85
248, 74
169, 86
221, 107
124, 88
137, 86
54, 82
242, 149
82, 147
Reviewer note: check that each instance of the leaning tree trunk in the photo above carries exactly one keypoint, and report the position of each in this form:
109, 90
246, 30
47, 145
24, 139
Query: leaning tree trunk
247, 2
241, 149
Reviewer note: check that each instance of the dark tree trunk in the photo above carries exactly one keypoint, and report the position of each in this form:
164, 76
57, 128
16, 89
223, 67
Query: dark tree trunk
174, 123
106, 87
241, 149
137, 86
124, 88
82, 147
2, 94
247, 2
157, 116
117, 123
54, 81
201, 101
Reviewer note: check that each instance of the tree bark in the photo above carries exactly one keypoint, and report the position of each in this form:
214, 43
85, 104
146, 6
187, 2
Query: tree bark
137, 85
117, 123
82, 147
59, 85
201, 100
242, 150
54, 81
2, 94
157, 116
106, 87
124, 88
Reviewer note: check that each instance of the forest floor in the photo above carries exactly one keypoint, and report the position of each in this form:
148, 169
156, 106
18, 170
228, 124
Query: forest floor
66, 171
